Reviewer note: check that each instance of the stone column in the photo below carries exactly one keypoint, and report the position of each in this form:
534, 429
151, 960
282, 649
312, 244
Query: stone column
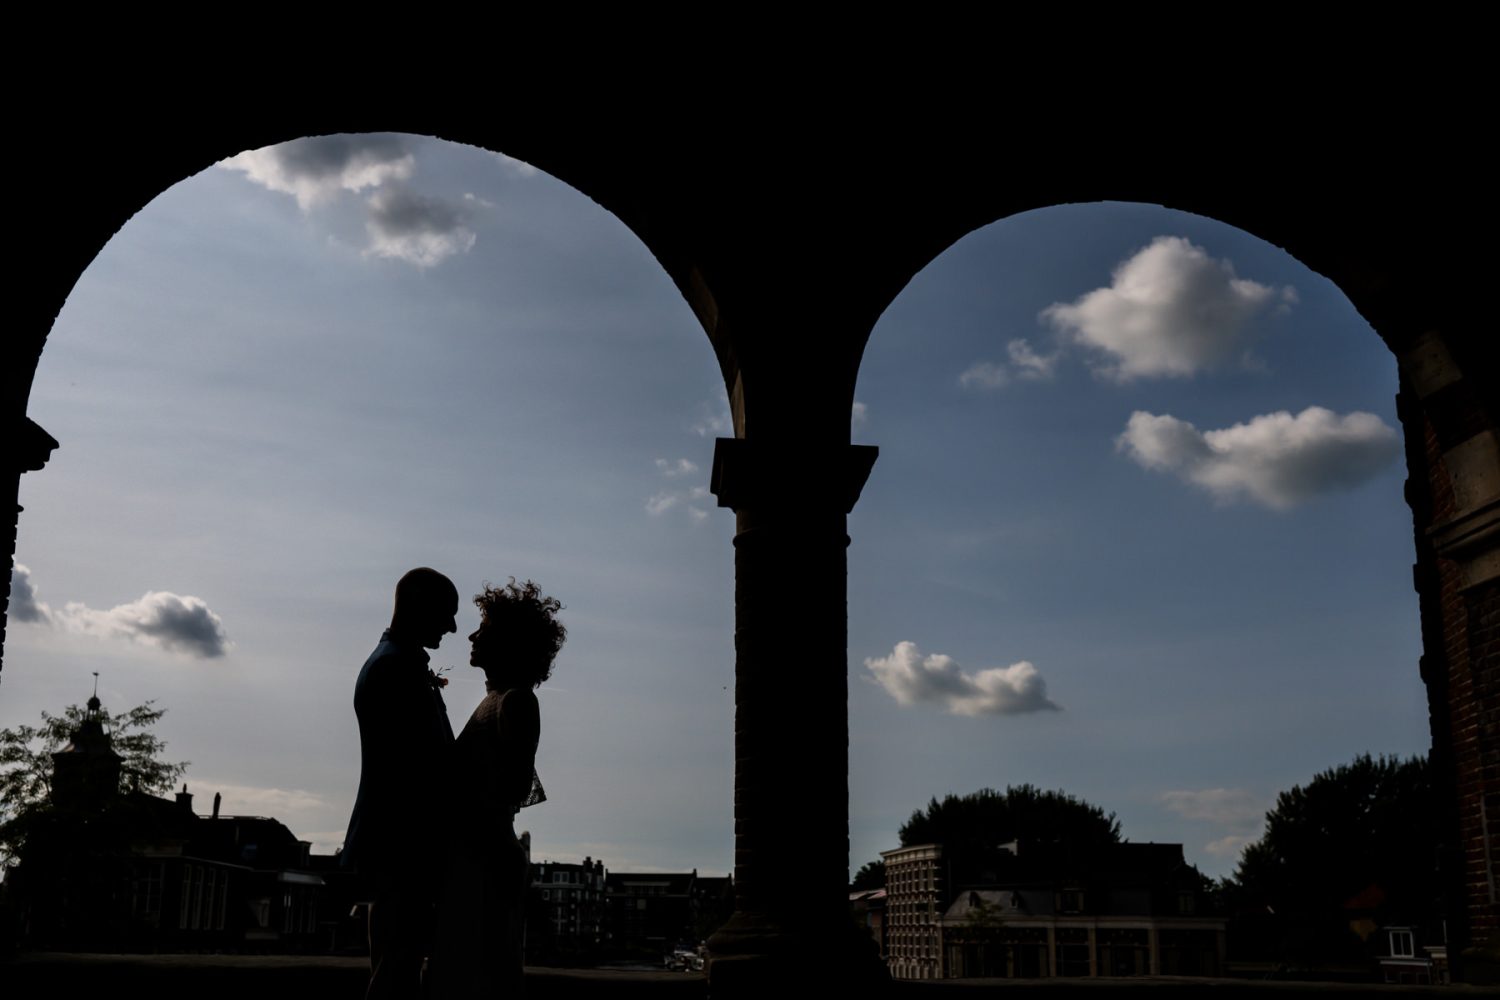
27, 450
791, 732
1453, 453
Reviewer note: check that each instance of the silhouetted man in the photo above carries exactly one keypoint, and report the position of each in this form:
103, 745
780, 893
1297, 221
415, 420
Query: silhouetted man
395, 833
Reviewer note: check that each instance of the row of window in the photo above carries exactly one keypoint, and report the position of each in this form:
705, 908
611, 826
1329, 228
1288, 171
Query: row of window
204, 893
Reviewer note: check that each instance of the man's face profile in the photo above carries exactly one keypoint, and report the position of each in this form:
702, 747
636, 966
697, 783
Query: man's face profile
439, 620
426, 607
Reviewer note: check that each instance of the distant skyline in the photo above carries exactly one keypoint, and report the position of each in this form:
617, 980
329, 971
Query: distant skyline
1136, 530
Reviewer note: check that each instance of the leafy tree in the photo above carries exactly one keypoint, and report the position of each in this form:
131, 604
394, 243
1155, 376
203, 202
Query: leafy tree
870, 876
1374, 822
26, 762
987, 818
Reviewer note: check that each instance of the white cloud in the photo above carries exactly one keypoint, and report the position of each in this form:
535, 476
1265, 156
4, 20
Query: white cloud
518, 167
1238, 810
662, 502
316, 168
859, 414
1227, 846
681, 467
24, 607
715, 420
984, 375
912, 678
165, 620
401, 224
1028, 363
1170, 310
251, 800
1236, 807
178, 624
1276, 459
690, 500
415, 228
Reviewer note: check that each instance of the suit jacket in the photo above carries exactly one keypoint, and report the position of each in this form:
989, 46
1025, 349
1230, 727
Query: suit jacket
405, 746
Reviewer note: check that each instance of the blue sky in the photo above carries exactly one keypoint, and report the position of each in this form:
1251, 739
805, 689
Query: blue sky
1136, 529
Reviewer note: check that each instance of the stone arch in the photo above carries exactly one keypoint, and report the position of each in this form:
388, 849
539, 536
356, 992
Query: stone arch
787, 270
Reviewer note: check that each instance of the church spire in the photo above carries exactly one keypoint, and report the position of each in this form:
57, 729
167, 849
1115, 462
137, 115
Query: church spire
87, 770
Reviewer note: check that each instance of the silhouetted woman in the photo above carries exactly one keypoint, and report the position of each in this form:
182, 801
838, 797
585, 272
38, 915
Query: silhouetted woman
481, 920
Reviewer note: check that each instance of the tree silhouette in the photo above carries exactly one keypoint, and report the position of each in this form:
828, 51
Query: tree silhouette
985, 819
1368, 829
26, 762
870, 876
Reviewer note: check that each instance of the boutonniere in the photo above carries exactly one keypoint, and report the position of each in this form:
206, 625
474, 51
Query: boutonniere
436, 679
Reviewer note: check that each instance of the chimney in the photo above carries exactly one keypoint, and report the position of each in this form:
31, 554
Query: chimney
217, 798
185, 799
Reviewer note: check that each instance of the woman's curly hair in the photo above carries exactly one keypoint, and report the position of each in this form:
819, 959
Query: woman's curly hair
529, 619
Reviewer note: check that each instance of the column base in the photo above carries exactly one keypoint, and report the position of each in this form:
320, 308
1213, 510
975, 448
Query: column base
755, 955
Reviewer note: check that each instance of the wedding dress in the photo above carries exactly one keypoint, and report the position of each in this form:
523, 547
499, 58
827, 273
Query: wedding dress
478, 942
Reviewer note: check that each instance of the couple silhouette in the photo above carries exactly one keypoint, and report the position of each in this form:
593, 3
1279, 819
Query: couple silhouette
433, 825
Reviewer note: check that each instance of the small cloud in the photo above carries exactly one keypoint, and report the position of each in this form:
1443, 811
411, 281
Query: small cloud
912, 678
1224, 806
661, 503
420, 230
251, 800
316, 168
24, 607
1226, 846
179, 624
1277, 459
689, 499
518, 167
1171, 310
984, 375
681, 467
168, 621
859, 414
1028, 363
715, 420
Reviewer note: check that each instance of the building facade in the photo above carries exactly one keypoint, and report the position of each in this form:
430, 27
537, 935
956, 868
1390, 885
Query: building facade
914, 905
1125, 910
571, 906
121, 870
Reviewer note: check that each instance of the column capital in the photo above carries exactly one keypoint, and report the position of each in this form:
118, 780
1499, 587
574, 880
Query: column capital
30, 447
753, 474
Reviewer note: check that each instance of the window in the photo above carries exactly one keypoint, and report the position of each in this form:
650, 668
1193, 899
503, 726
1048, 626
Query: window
1401, 944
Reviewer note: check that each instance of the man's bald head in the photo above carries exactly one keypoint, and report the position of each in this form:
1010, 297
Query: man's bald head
426, 607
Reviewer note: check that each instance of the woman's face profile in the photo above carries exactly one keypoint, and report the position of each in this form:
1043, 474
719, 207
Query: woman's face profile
485, 643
